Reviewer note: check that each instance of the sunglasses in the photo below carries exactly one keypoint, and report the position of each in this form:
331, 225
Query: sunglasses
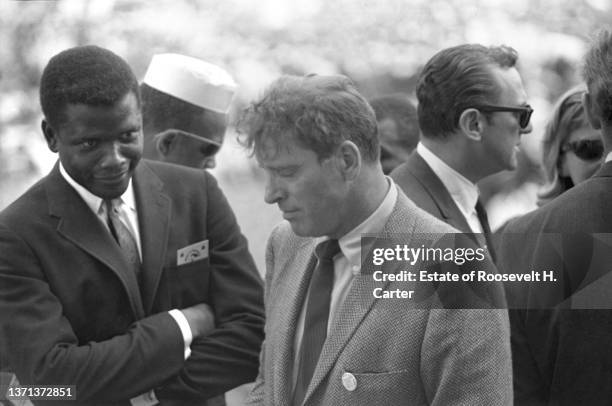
524, 112
210, 147
587, 150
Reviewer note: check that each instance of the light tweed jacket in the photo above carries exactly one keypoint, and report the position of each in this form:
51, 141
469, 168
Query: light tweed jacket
395, 354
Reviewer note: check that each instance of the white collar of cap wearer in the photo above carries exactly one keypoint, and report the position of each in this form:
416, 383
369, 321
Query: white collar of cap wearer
192, 80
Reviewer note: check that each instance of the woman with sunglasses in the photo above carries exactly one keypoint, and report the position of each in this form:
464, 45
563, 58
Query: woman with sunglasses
572, 150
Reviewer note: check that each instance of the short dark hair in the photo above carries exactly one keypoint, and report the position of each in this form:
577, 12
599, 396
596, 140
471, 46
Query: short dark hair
319, 112
84, 75
455, 79
161, 111
597, 73
400, 109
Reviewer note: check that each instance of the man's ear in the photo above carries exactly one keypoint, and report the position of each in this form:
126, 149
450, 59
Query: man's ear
50, 135
591, 110
349, 159
471, 124
165, 142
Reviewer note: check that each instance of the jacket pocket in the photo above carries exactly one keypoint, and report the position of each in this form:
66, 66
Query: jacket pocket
376, 388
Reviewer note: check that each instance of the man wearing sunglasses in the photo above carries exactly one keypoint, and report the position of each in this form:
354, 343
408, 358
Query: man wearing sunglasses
185, 104
472, 112
561, 330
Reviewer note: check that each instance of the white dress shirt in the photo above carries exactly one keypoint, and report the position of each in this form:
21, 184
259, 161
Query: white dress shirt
347, 264
463, 192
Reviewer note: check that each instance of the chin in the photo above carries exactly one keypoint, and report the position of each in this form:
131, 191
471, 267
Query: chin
300, 231
111, 192
512, 164
303, 230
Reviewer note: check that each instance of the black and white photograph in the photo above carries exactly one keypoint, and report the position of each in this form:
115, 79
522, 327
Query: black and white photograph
305, 202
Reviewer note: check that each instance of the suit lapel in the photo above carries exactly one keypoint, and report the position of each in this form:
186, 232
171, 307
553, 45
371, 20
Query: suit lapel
433, 185
297, 273
153, 207
80, 225
360, 300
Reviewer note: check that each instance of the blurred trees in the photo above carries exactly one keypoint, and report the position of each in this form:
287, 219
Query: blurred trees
379, 44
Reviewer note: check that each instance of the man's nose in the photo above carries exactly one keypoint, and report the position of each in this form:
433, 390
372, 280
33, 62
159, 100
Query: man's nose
273, 192
113, 156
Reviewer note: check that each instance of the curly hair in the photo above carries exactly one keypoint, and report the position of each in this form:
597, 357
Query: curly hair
319, 112
84, 75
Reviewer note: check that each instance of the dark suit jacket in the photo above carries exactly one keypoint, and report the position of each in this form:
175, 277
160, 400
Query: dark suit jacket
73, 314
561, 335
427, 191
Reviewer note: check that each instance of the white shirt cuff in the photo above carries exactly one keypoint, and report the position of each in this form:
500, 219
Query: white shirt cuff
146, 399
183, 324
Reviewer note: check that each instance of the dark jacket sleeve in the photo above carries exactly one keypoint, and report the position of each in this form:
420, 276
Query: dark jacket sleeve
42, 348
229, 356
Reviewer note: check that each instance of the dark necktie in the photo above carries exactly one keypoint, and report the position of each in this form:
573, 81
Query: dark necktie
317, 315
486, 230
123, 236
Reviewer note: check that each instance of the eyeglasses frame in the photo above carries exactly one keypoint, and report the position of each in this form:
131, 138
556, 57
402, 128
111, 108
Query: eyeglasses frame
525, 111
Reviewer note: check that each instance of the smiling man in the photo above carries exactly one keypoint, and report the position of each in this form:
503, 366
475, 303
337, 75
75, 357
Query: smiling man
185, 105
127, 279
329, 339
472, 112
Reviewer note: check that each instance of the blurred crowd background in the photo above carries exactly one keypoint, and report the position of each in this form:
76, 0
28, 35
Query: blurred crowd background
381, 45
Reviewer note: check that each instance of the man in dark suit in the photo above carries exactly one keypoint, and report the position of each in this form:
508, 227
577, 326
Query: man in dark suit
185, 104
332, 338
561, 329
472, 112
128, 279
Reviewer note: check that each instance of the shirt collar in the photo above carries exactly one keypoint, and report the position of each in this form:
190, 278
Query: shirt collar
350, 243
463, 192
95, 202
609, 157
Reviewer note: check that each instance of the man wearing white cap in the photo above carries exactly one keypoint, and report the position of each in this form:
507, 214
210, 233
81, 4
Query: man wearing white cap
185, 104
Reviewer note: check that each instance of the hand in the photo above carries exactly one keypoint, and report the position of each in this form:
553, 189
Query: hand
200, 318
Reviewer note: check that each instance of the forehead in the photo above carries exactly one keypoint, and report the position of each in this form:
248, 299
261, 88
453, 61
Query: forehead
510, 85
126, 111
284, 151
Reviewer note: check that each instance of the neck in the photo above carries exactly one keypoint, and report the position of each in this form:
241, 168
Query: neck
367, 193
454, 152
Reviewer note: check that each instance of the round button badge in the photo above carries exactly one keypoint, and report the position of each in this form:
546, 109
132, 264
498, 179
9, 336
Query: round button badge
349, 381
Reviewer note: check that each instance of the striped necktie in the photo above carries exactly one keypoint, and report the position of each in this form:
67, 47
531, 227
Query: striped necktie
123, 236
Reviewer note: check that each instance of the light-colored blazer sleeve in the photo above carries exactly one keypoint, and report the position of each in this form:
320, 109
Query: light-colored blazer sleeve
466, 357
256, 396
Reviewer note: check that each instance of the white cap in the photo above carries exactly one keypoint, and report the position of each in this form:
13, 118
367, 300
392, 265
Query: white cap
192, 80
